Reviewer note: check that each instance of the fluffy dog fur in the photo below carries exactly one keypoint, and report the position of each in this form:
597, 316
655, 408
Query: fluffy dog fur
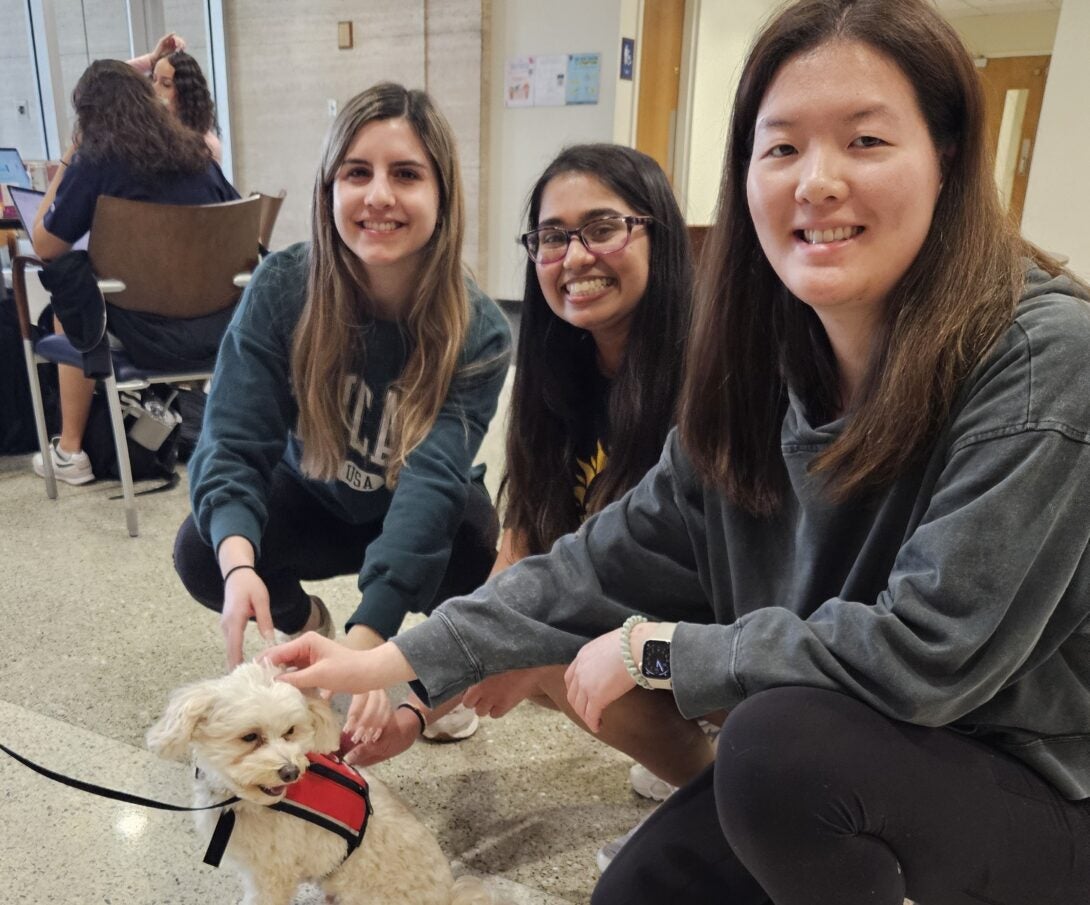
247, 734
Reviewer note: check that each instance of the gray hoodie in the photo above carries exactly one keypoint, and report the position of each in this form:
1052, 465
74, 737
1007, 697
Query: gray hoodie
957, 596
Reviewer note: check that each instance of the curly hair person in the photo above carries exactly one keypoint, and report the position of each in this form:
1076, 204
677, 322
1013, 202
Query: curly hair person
193, 101
118, 117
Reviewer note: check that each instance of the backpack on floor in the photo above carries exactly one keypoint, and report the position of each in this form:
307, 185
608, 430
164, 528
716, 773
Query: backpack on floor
153, 427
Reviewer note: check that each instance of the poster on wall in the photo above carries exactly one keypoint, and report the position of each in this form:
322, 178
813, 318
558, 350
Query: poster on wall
628, 57
550, 80
518, 89
583, 76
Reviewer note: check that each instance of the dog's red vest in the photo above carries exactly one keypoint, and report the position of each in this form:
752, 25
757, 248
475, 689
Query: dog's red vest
330, 794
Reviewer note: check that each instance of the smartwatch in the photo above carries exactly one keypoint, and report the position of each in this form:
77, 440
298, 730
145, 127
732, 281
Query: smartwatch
655, 659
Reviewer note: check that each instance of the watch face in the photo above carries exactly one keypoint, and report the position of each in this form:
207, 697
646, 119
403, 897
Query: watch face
656, 659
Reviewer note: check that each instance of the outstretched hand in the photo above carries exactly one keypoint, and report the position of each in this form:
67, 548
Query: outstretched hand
320, 663
244, 596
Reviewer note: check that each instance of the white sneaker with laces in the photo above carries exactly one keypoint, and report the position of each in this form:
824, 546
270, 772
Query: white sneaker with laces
325, 628
609, 851
460, 723
72, 468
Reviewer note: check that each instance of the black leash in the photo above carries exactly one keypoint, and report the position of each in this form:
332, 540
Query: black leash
108, 793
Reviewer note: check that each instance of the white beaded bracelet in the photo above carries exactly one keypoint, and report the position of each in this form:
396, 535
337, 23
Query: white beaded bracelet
626, 650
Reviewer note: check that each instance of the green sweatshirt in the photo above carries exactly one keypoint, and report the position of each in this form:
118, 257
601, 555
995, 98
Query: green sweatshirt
957, 596
249, 429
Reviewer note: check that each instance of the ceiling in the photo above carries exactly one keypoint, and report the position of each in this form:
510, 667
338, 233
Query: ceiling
993, 7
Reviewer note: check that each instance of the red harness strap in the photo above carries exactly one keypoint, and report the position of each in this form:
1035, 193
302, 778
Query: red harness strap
330, 794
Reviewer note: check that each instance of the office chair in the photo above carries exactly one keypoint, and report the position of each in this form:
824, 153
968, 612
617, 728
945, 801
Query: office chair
176, 261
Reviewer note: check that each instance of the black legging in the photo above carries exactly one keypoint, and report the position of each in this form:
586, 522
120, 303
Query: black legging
303, 541
817, 799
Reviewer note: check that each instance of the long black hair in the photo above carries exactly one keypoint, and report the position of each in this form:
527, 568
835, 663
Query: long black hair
555, 362
193, 100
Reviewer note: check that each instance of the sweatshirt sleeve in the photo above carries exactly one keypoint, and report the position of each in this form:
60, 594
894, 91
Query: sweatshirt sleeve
250, 409
404, 565
636, 555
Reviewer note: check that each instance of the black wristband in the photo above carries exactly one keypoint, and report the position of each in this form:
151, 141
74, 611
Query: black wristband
419, 715
234, 569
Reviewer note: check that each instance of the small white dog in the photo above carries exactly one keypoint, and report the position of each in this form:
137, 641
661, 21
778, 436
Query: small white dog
249, 736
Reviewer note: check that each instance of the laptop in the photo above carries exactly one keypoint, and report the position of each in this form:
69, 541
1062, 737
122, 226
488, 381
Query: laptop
12, 169
27, 202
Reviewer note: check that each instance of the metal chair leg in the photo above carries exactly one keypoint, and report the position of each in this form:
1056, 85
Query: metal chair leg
121, 444
39, 419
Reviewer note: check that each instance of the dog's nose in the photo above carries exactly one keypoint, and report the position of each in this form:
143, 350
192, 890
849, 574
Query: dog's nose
288, 772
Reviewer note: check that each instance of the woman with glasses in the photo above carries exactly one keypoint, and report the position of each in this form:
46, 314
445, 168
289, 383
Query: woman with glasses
598, 366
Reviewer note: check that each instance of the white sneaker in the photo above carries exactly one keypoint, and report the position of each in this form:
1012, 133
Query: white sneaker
460, 723
609, 851
72, 468
647, 785
325, 628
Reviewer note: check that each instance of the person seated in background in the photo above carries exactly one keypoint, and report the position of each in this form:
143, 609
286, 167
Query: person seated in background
351, 395
604, 316
180, 84
878, 494
126, 144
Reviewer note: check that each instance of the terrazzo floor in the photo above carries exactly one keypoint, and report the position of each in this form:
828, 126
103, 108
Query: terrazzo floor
98, 631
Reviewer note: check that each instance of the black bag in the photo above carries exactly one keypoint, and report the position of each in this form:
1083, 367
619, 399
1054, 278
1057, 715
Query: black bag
147, 464
17, 432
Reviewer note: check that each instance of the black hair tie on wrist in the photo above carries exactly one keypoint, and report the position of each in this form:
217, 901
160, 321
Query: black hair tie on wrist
234, 569
419, 715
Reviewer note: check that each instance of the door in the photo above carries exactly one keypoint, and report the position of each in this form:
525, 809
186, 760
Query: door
660, 77
1014, 88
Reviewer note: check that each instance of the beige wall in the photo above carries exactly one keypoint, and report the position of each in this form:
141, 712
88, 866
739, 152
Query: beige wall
285, 67
522, 141
1058, 195
723, 32
1010, 34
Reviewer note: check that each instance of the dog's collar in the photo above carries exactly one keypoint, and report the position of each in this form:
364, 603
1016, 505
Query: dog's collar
329, 794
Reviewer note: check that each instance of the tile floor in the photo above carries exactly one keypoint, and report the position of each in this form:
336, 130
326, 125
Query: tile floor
98, 631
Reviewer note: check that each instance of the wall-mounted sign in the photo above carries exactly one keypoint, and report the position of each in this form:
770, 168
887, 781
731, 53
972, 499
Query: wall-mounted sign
628, 57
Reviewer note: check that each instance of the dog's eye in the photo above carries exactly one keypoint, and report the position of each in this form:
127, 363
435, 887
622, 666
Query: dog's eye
249, 737
290, 732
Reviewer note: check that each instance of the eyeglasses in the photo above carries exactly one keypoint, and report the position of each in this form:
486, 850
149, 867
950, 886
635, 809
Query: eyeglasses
604, 236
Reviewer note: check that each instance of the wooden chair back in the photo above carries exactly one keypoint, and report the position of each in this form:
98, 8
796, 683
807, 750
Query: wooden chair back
175, 260
270, 210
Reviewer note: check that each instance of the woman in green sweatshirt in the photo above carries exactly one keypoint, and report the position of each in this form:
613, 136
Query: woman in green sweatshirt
351, 395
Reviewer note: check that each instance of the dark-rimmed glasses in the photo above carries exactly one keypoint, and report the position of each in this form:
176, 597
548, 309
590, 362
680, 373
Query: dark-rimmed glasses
603, 236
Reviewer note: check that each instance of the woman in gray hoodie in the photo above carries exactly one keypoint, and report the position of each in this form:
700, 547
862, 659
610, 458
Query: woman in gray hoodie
880, 488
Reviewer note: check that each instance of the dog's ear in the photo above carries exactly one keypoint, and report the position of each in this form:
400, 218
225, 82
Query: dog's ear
188, 706
324, 724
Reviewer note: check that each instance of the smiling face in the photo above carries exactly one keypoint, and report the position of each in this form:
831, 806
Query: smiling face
597, 294
843, 180
162, 82
386, 200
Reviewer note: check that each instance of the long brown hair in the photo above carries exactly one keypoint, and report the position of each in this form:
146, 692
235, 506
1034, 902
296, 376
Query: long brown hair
751, 337
118, 117
555, 363
328, 341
